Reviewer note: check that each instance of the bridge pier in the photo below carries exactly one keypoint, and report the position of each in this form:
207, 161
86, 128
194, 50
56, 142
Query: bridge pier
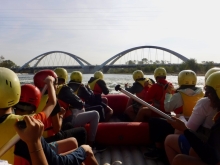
105, 69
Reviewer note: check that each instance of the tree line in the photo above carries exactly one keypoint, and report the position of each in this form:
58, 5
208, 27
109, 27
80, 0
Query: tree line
7, 63
199, 68
145, 65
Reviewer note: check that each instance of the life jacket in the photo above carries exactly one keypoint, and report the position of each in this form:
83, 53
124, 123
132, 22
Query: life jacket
160, 103
43, 102
18, 160
144, 91
75, 87
94, 87
66, 107
49, 131
7, 131
189, 102
66, 94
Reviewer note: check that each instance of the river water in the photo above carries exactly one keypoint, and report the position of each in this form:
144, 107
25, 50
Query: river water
113, 79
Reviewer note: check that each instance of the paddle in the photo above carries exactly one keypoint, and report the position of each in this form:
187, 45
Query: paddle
118, 88
15, 138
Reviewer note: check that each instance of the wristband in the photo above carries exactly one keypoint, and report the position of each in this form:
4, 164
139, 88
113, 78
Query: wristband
36, 150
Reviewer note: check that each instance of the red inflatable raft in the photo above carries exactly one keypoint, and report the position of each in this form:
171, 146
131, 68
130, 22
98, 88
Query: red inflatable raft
121, 133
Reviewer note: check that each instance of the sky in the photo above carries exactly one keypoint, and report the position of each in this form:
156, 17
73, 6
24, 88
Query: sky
96, 30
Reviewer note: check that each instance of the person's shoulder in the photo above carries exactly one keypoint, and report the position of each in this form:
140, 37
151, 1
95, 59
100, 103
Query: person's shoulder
204, 100
101, 81
203, 104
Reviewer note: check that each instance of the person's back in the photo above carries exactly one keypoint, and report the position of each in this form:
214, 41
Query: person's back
186, 96
99, 87
139, 88
79, 88
141, 84
97, 84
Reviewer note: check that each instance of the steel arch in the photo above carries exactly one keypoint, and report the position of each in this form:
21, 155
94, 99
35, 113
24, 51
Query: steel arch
78, 59
119, 55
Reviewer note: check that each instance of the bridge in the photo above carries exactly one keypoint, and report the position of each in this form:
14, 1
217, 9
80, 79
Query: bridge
133, 57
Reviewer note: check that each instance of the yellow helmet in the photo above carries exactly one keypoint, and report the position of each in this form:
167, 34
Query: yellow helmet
160, 72
76, 76
210, 71
61, 73
187, 77
99, 75
10, 88
214, 81
138, 74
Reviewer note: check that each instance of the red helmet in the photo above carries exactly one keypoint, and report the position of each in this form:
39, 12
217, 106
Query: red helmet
40, 76
30, 94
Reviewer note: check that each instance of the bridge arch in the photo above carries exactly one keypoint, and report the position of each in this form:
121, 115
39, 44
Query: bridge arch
40, 58
119, 55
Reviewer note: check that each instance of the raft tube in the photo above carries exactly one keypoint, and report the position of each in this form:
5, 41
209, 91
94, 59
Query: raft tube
121, 133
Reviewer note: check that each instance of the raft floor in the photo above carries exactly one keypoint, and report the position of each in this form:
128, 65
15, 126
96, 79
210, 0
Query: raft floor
125, 155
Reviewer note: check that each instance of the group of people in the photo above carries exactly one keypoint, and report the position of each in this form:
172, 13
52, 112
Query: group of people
55, 112
191, 136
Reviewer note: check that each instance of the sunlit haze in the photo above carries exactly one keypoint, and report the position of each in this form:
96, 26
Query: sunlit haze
99, 29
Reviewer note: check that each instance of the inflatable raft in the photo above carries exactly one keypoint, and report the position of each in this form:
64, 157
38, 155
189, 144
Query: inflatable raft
116, 132
126, 141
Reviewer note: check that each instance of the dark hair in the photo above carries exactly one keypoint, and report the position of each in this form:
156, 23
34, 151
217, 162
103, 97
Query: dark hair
61, 81
25, 106
193, 87
210, 91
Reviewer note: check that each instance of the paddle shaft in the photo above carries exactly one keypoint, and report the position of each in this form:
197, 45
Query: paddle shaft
145, 104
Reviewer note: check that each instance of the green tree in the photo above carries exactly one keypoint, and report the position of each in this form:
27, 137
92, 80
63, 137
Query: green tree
130, 62
8, 64
1, 59
145, 61
191, 64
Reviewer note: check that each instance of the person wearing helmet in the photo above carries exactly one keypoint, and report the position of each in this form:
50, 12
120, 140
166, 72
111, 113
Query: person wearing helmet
155, 95
54, 133
54, 117
186, 96
62, 75
85, 93
10, 94
139, 88
201, 151
98, 86
210, 71
75, 115
27, 105
181, 103
160, 73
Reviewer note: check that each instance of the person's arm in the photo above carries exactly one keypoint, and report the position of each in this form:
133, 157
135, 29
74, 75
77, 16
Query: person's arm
135, 88
31, 136
172, 102
52, 100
